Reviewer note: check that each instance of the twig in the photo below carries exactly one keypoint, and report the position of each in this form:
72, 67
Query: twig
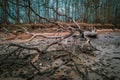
26, 31
62, 38
35, 67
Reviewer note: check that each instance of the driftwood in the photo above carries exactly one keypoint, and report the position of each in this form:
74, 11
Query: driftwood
25, 47
71, 55
58, 41
92, 34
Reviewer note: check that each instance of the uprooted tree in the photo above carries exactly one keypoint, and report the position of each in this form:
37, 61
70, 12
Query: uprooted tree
15, 53
18, 53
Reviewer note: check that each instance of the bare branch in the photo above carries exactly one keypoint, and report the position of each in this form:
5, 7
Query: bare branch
26, 47
62, 38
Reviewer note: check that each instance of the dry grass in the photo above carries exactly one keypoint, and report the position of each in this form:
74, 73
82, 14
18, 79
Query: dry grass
49, 27
11, 37
22, 36
107, 30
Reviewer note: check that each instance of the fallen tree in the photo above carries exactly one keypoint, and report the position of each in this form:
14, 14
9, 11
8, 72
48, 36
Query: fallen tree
20, 48
40, 52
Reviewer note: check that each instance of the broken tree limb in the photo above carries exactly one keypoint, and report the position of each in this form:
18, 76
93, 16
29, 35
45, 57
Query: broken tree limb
56, 11
76, 24
25, 47
35, 67
92, 34
6, 30
62, 38
34, 35
26, 31
81, 34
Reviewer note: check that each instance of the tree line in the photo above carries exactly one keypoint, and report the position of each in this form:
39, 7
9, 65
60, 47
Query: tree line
42, 11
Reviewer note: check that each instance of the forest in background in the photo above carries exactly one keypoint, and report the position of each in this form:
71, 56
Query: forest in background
42, 11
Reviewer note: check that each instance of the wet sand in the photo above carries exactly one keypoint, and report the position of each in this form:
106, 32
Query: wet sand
105, 65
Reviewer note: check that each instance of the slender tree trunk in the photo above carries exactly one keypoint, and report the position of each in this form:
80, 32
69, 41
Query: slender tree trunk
18, 13
5, 6
29, 12
56, 10
39, 10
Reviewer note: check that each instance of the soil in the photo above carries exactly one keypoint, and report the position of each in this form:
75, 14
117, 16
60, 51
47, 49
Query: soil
102, 64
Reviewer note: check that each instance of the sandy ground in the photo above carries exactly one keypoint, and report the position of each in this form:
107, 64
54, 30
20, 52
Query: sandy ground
108, 58
105, 65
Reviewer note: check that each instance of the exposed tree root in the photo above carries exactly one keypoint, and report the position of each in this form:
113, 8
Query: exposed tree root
58, 41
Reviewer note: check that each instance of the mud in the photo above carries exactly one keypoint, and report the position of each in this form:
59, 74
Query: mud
103, 64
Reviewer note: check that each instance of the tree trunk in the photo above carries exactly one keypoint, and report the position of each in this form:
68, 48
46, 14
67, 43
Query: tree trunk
18, 13
56, 10
29, 11
5, 6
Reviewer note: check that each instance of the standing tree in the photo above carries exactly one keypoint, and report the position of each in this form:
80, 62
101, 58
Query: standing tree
29, 11
5, 8
18, 12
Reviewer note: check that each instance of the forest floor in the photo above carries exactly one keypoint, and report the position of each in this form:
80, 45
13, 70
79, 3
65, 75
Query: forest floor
104, 63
